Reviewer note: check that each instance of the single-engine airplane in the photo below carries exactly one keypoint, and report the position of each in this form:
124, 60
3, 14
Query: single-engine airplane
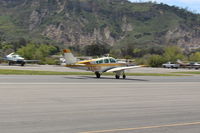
13, 58
190, 65
99, 65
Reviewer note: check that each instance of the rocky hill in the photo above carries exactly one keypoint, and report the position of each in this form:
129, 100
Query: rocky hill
83, 22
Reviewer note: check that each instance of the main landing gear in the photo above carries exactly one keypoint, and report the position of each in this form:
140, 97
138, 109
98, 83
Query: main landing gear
118, 74
10, 63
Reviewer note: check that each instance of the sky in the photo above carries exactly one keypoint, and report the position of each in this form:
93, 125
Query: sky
192, 5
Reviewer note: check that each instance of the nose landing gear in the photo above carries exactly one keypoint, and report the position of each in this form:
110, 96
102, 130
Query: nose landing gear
98, 75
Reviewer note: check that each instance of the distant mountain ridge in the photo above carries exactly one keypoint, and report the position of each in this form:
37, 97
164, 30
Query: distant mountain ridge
83, 22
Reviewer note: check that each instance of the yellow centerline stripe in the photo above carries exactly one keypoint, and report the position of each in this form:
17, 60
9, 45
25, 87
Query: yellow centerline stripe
147, 127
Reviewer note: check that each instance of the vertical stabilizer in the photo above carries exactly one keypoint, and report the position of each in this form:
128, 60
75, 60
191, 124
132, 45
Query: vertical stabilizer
69, 57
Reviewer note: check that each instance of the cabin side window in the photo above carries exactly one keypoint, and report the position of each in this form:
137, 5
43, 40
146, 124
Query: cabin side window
112, 60
101, 61
106, 61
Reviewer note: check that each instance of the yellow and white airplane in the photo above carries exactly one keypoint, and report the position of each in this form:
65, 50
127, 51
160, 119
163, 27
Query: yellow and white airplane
99, 65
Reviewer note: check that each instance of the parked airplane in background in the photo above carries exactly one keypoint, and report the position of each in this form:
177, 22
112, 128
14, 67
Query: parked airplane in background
190, 65
99, 65
16, 59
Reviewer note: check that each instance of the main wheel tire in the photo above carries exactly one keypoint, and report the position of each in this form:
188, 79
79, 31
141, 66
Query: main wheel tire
117, 76
124, 76
98, 75
10, 63
23, 63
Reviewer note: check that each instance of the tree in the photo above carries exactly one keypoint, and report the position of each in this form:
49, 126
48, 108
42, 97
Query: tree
96, 49
6, 48
36, 51
28, 51
195, 57
115, 52
137, 52
173, 53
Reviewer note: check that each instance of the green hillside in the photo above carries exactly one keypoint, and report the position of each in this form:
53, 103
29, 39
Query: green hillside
118, 23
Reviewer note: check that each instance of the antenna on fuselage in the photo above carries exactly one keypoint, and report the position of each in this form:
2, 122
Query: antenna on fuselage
107, 55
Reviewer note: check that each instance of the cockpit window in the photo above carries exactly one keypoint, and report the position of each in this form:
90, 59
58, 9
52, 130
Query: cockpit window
99, 61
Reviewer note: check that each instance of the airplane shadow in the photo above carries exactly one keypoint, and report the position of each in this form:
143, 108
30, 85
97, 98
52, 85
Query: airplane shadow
103, 78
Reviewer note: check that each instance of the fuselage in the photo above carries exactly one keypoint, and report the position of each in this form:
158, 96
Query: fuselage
97, 65
14, 57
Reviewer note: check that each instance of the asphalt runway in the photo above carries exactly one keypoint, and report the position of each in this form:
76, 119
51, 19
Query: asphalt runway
59, 68
84, 104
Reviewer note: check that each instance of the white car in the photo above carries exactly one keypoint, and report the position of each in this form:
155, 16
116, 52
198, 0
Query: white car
170, 65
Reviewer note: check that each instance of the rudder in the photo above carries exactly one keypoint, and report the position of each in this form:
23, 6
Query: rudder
69, 57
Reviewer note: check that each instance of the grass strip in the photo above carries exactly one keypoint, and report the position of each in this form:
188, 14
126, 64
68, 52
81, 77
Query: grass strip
192, 72
32, 72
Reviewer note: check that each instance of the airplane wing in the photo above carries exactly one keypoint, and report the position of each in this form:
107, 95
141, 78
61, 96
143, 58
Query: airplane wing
5, 59
29, 61
122, 68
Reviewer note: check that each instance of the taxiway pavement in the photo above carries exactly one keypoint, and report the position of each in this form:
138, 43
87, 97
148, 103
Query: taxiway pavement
84, 104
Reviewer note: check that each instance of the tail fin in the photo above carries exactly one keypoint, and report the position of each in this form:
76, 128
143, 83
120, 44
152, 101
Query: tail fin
69, 57
180, 62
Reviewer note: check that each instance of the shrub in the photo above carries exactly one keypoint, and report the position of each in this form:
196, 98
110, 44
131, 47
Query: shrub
156, 60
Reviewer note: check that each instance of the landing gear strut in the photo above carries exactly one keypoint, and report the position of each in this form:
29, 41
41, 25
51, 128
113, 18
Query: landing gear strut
98, 75
10, 63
